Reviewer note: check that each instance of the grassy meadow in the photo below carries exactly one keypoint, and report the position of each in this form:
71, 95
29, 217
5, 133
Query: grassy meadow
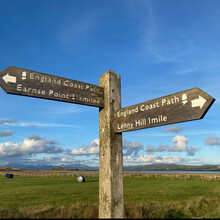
146, 196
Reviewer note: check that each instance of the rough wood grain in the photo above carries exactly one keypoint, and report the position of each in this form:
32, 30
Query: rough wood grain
34, 84
111, 195
183, 106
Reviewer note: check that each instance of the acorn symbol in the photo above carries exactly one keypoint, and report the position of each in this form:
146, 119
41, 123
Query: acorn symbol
24, 75
184, 99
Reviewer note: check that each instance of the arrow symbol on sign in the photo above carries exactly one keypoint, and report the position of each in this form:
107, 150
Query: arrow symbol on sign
7, 78
198, 102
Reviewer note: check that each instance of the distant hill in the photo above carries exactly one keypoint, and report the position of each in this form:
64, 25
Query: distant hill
79, 167
72, 169
47, 167
10, 169
173, 167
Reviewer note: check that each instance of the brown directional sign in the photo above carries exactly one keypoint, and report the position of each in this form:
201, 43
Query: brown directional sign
31, 83
183, 106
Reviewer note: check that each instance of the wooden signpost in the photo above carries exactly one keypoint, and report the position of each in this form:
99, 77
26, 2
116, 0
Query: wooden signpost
183, 106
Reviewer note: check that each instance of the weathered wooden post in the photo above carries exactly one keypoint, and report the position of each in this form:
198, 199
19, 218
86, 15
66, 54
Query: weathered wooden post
111, 193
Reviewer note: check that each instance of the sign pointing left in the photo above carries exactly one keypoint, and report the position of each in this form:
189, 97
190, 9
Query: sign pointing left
40, 85
7, 78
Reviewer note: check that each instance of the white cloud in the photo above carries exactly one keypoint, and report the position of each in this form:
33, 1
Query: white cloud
67, 160
37, 124
180, 143
54, 160
6, 133
180, 146
29, 146
193, 132
191, 150
174, 129
212, 140
8, 121
41, 160
16, 123
187, 71
160, 148
57, 160
159, 159
127, 159
132, 147
59, 109
153, 159
91, 149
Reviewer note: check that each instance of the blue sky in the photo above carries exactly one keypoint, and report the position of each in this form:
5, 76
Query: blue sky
157, 47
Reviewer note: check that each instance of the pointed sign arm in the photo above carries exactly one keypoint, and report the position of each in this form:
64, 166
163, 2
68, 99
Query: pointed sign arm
188, 105
30, 83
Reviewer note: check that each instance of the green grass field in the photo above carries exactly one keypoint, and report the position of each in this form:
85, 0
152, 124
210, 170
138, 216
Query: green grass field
145, 197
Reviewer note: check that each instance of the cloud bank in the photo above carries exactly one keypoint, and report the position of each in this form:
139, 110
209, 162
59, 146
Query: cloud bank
91, 149
179, 146
29, 146
8, 121
153, 159
32, 150
212, 140
16, 123
172, 129
6, 133
132, 148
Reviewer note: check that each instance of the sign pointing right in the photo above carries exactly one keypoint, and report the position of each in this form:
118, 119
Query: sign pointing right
183, 106
198, 102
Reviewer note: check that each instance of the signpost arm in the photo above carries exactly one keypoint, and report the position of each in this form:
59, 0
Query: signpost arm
111, 193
